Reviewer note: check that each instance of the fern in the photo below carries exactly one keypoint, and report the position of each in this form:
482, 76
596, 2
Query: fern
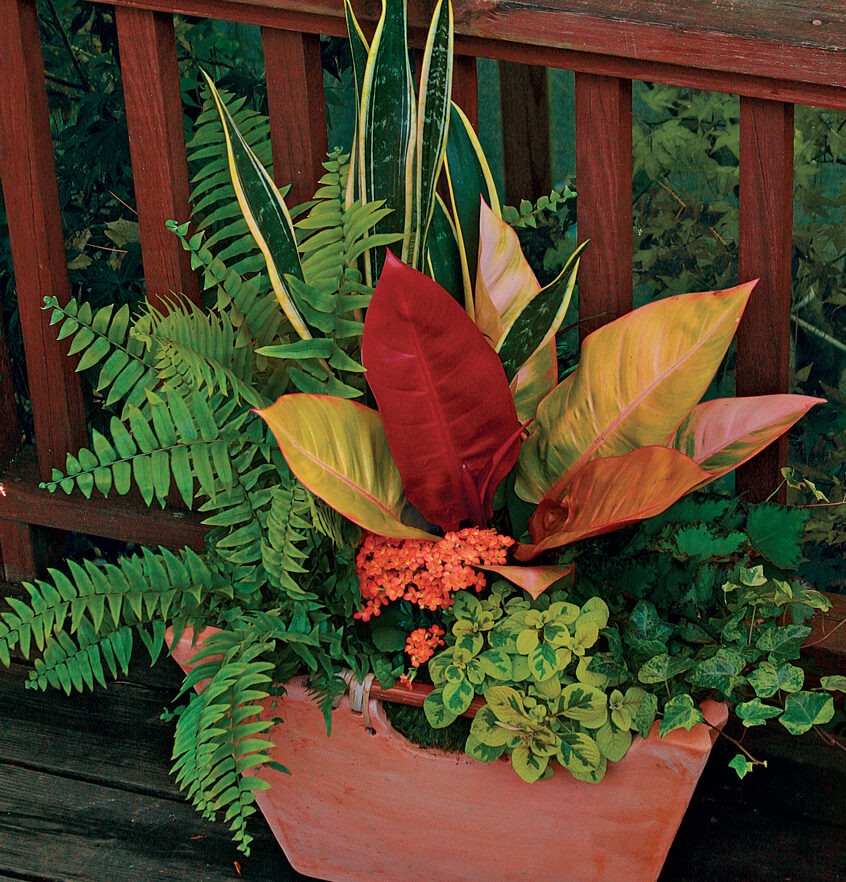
104, 339
179, 437
219, 735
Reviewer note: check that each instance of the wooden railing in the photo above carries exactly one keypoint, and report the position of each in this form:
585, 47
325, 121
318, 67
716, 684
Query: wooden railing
773, 54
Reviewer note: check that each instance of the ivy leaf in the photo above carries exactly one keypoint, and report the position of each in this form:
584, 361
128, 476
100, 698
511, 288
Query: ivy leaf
645, 716
679, 713
644, 622
741, 765
438, 715
783, 641
834, 683
662, 667
803, 710
721, 671
756, 713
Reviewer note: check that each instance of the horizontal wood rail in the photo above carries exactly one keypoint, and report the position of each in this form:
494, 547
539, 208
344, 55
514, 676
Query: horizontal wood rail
773, 53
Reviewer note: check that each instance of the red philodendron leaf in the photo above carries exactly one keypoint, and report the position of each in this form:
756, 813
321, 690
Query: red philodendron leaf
609, 493
534, 580
442, 394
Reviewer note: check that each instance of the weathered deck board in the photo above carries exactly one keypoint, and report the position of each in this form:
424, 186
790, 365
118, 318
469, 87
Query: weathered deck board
85, 795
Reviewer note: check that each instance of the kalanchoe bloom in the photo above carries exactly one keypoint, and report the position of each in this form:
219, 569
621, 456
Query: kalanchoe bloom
421, 644
427, 573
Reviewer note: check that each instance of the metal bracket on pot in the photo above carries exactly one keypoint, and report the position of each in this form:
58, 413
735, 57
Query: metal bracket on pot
360, 697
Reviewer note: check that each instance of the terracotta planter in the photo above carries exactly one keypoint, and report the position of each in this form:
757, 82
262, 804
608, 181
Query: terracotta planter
374, 807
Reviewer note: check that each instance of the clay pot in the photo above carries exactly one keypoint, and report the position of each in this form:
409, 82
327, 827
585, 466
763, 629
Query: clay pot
370, 806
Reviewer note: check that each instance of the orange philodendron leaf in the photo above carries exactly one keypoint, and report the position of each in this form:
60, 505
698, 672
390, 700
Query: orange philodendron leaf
724, 433
637, 380
534, 580
338, 450
442, 393
609, 493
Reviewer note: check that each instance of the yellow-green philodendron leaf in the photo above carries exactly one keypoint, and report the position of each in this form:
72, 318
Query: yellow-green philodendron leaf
723, 433
338, 450
534, 381
637, 380
609, 493
265, 212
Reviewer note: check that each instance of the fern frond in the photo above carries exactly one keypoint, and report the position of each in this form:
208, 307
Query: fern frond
286, 531
84, 619
220, 735
103, 338
177, 438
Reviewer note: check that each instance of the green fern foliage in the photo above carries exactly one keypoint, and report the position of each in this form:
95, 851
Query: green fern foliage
104, 341
220, 739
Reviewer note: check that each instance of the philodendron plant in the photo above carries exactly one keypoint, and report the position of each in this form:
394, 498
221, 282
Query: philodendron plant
620, 439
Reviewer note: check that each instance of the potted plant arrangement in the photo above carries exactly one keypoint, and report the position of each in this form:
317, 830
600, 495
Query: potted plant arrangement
401, 490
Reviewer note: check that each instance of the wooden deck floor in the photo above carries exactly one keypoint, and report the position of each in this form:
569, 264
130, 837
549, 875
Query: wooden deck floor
85, 794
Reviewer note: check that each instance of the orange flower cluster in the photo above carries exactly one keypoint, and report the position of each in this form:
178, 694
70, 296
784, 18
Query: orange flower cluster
421, 644
425, 572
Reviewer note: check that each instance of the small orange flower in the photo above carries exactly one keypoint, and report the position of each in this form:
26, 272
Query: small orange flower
425, 572
421, 644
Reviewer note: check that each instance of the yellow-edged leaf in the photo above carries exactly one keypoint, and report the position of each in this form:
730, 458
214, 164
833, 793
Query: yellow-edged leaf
338, 449
638, 379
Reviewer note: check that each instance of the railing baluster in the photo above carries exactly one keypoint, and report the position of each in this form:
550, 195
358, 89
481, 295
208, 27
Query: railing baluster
10, 430
766, 239
297, 110
157, 147
35, 230
604, 183
525, 131
465, 87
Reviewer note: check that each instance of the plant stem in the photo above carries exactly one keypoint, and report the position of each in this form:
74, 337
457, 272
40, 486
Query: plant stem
737, 744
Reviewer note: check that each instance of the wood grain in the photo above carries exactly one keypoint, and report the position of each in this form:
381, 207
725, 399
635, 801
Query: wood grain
766, 239
157, 148
465, 87
28, 173
297, 110
603, 118
525, 131
10, 430
769, 49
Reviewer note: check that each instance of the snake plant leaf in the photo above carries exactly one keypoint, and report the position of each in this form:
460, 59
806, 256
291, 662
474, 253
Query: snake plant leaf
432, 124
469, 181
386, 125
638, 379
723, 433
534, 580
337, 449
265, 212
536, 324
444, 260
609, 493
359, 49
447, 409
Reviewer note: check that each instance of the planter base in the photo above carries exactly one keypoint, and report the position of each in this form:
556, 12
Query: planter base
372, 807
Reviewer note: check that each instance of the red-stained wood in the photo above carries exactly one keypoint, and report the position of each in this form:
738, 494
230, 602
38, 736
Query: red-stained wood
604, 210
157, 147
766, 234
297, 110
117, 517
19, 551
28, 173
769, 49
525, 131
465, 87
10, 430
